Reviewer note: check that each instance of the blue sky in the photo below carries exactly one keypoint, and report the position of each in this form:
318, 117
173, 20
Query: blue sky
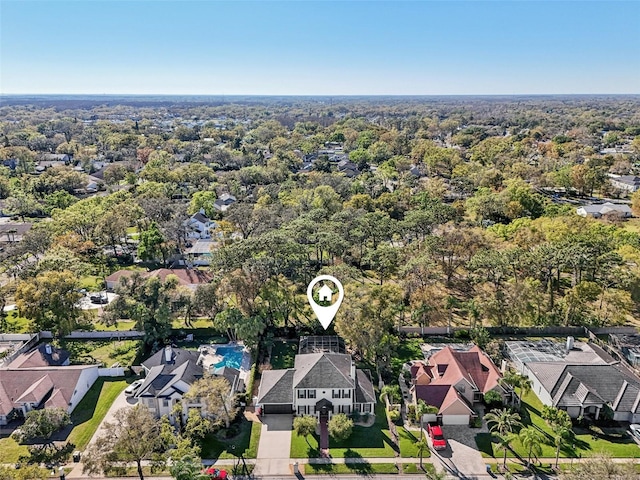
320, 47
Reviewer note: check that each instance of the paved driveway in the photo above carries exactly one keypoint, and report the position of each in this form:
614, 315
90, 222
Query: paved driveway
461, 458
275, 445
121, 401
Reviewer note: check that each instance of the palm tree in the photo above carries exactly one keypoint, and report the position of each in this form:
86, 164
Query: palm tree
515, 380
421, 445
504, 422
421, 410
391, 393
505, 443
531, 439
563, 436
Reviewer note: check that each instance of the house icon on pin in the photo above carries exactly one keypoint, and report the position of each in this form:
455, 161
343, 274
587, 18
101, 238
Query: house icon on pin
325, 294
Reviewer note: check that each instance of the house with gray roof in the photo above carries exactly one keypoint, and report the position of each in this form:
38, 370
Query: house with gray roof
169, 375
598, 210
224, 202
581, 379
630, 183
318, 384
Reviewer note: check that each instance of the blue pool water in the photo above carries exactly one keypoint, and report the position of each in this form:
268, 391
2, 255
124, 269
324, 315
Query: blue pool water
232, 357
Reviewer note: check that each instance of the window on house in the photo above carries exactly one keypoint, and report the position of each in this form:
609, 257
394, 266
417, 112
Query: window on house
346, 394
312, 394
302, 394
335, 393
165, 402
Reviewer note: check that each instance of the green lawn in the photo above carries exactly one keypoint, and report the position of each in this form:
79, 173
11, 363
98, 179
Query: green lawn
408, 447
246, 442
86, 417
105, 351
178, 323
359, 468
17, 324
11, 451
119, 325
374, 441
617, 444
283, 354
92, 283
407, 350
415, 468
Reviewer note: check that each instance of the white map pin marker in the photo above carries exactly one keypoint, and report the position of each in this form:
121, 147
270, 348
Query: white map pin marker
325, 314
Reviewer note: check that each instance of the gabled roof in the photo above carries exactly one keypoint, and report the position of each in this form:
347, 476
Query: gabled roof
200, 217
186, 277
276, 386
163, 376
450, 366
571, 385
323, 370
364, 388
33, 385
40, 358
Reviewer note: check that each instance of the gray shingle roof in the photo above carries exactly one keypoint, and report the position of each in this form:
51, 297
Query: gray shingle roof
588, 384
162, 375
364, 388
276, 386
323, 370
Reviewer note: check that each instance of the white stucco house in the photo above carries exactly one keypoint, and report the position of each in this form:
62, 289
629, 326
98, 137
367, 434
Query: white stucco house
43, 378
169, 374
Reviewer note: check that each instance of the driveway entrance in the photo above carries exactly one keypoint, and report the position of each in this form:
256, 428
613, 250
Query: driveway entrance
275, 445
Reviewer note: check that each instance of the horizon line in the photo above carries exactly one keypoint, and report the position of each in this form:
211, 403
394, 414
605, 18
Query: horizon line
24, 94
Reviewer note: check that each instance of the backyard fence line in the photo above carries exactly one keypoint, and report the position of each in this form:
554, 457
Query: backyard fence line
533, 331
111, 372
113, 335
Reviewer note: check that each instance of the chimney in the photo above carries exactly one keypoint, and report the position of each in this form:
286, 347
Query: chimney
168, 354
353, 370
569, 344
47, 348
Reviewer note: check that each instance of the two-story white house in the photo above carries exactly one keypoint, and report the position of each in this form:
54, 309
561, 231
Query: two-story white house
199, 226
320, 384
169, 375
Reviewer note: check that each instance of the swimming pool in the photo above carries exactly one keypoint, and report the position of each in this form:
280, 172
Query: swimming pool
232, 357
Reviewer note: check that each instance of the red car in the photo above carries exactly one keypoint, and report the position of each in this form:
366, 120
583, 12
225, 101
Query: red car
437, 439
215, 473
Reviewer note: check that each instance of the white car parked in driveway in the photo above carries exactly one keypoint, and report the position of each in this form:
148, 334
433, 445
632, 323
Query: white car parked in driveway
635, 431
133, 388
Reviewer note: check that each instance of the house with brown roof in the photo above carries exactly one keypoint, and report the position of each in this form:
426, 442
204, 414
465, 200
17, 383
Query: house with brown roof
189, 278
43, 378
453, 381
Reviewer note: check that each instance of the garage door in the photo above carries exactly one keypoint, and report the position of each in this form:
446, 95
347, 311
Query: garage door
455, 419
277, 408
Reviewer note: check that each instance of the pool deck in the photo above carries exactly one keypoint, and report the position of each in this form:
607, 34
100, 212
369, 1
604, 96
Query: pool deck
212, 357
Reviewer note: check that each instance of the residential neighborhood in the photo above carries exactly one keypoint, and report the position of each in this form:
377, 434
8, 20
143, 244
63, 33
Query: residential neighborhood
400, 288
